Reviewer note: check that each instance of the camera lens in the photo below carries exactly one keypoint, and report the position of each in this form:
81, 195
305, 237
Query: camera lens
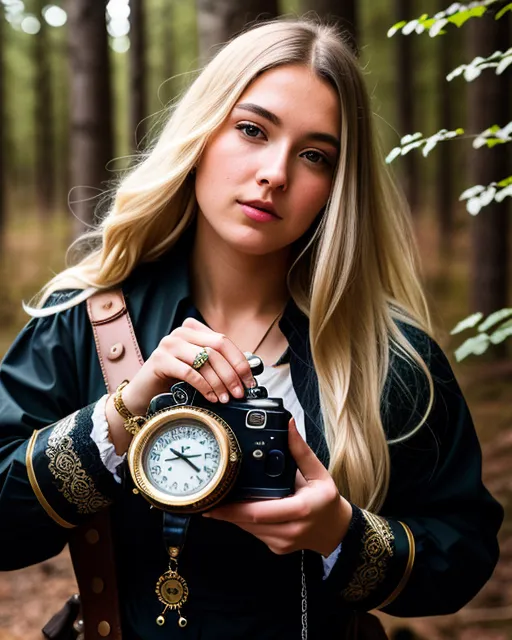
274, 464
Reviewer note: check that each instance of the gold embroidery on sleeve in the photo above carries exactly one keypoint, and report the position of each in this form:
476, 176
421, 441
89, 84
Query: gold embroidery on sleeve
37, 490
65, 465
377, 549
410, 563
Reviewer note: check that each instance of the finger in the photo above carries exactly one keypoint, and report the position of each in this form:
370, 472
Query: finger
275, 543
192, 323
219, 374
173, 368
307, 462
300, 481
220, 369
217, 371
205, 379
220, 343
263, 512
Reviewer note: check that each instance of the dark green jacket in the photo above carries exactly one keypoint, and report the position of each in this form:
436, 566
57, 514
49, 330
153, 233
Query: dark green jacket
49, 382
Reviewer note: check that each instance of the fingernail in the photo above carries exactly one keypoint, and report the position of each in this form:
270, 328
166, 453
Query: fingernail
224, 397
238, 391
250, 383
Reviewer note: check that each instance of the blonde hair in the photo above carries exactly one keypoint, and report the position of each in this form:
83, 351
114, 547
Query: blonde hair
355, 278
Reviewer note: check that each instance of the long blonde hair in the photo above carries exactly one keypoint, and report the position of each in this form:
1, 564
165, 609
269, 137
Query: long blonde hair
355, 278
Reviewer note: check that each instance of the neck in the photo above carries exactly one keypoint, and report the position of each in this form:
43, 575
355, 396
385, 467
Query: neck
228, 283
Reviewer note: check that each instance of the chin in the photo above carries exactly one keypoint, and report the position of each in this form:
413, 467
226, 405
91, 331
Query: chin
253, 241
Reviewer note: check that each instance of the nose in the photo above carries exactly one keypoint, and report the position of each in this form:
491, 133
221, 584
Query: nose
273, 171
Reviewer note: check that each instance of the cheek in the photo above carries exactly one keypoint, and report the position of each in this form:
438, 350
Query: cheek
221, 163
310, 197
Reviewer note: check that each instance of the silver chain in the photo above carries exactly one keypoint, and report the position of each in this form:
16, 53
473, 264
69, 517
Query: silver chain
304, 600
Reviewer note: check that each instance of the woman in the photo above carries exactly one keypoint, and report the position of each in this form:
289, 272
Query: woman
262, 216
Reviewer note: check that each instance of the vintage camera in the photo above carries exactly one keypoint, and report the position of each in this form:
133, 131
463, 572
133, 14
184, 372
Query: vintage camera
266, 469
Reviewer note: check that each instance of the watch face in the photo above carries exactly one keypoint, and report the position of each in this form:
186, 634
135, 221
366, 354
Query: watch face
182, 458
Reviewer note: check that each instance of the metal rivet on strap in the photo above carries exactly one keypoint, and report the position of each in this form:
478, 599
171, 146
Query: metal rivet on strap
78, 626
108, 305
103, 628
116, 351
97, 585
92, 536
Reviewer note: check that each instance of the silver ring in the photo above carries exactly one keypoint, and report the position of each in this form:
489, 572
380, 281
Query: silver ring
200, 359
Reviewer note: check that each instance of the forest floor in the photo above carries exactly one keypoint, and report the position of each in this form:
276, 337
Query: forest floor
29, 597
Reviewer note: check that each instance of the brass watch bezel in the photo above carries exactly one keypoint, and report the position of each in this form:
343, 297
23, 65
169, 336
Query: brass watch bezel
219, 485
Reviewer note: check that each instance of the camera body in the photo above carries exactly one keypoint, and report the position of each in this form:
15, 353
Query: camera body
260, 424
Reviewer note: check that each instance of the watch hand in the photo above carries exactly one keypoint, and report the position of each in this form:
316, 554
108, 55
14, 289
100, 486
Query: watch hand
184, 457
194, 455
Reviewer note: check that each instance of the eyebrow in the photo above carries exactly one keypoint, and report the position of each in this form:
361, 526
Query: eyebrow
271, 117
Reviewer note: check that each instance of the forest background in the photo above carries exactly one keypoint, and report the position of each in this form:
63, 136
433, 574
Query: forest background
84, 84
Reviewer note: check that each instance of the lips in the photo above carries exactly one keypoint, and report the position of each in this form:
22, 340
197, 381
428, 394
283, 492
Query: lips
267, 207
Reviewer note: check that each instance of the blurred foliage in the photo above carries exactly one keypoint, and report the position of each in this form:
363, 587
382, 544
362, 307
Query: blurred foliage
477, 196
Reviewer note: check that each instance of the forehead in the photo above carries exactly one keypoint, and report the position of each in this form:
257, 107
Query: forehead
297, 95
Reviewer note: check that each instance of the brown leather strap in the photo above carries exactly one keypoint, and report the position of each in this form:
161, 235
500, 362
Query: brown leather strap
91, 545
117, 347
92, 553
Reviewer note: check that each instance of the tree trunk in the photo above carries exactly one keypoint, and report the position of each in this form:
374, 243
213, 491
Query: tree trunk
406, 103
445, 157
91, 145
138, 109
3, 178
43, 114
341, 12
219, 20
168, 51
488, 104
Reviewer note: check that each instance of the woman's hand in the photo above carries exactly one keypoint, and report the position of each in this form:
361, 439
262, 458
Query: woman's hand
316, 517
225, 373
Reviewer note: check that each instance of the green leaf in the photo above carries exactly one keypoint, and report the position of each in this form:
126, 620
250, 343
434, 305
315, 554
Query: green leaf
393, 154
505, 182
494, 318
503, 193
396, 27
456, 72
492, 142
477, 345
494, 128
502, 333
459, 18
503, 11
437, 27
428, 24
503, 64
473, 206
467, 323
471, 192
410, 137
459, 131
412, 145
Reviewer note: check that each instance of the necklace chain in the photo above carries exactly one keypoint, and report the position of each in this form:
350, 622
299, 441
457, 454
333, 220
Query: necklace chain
267, 332
304, 600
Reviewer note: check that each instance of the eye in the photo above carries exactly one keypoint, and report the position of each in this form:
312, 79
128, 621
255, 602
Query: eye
315, 157
249, 129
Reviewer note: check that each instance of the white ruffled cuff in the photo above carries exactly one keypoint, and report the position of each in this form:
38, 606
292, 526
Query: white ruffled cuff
100, 436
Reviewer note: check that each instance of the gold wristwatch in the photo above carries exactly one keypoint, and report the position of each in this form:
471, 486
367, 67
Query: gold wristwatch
132, 423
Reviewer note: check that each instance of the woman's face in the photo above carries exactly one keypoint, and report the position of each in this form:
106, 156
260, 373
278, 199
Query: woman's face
267, 172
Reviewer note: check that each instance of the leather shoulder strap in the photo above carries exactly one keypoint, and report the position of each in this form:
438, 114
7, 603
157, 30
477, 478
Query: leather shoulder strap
118, 351
91, 545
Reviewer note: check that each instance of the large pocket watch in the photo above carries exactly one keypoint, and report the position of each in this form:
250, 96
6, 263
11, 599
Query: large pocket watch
184, 459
